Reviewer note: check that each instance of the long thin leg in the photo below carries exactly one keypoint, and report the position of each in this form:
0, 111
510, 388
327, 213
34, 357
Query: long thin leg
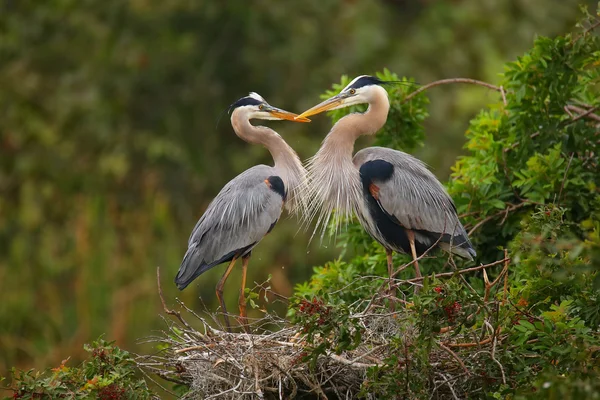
413, 250
242, 299
220, 291
390, 267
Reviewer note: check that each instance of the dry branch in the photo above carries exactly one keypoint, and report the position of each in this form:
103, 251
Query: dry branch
453, 80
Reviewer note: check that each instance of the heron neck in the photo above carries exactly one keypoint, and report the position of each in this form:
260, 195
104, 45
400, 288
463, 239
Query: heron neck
344, 133
334, 179
287, 163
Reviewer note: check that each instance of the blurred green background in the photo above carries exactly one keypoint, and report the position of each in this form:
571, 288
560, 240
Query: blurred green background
110, 149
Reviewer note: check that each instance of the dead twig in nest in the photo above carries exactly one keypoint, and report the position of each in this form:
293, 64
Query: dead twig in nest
177, 314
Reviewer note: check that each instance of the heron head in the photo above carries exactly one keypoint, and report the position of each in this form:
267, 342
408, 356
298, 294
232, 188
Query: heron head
256, 107
360, 91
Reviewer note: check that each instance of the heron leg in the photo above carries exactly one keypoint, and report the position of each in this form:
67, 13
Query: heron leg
390, 267
242, 299
220, 291
413, 250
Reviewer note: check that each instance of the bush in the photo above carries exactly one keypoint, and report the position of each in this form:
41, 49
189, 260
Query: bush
108, 374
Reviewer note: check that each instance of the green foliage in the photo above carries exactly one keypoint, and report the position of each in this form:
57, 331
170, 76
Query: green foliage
108, 374
528, 186
320, 319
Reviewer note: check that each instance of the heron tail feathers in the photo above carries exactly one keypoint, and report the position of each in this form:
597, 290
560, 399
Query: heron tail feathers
464, 250
191, 267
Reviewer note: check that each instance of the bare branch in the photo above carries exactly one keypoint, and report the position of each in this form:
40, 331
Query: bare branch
582, 111
491, 217
448, 81
162, 300
585, 114
562, 185
455, 356
454, 273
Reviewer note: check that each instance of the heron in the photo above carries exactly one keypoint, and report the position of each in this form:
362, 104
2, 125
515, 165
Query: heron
248, 206
396, 198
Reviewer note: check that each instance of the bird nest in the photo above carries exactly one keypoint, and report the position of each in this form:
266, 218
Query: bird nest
271, 362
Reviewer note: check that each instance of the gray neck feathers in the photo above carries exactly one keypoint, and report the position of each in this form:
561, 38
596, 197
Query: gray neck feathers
287, 163
333, 180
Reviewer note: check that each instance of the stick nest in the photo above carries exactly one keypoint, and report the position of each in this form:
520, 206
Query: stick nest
271, 362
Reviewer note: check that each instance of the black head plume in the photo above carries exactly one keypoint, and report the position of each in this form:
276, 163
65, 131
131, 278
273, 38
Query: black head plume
253, 99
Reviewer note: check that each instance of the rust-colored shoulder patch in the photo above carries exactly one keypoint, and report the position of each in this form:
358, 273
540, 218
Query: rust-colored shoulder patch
374, 190
268, 183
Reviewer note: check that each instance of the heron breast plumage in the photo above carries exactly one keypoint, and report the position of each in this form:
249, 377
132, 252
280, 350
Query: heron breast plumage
243, 212
402, 194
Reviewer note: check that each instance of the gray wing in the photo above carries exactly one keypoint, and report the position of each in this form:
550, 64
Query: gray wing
243, 212
415, 198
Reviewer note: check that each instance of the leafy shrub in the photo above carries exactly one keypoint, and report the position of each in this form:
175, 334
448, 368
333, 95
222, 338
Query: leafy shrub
108, 374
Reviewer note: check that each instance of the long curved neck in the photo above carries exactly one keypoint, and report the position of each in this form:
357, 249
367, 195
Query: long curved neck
287, 163
334, 181
345, 132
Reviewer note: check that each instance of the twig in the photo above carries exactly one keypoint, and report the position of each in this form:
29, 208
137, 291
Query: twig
455, 356
562, 185
450, 274
591, 28
582, 111
233, 389
512, 146
473, 344
583, 115
314, 387
447, 81
498, 362
505, 277
450, 386
491, 217
503, 95
267, 290
194, 348
488, 285
351, 363
162, 300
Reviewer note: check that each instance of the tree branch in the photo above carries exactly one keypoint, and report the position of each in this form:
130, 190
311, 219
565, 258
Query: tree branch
162, 300
453, 80
489, 218
584, 114
450, 274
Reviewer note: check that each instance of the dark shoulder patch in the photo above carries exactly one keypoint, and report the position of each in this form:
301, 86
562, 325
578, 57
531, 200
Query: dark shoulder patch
365, 81
245, 101
375, 170
276, 184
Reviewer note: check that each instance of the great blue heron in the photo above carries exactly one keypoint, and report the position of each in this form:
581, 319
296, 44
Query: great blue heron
396, 198
248, 207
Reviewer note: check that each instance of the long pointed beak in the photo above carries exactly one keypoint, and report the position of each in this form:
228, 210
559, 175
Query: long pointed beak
289, 116
324, 106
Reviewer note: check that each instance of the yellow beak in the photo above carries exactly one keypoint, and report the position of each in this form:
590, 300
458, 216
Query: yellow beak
282, 114
327, 105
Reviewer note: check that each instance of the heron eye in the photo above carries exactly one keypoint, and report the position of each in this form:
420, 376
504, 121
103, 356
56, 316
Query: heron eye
352, 91
260, 107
